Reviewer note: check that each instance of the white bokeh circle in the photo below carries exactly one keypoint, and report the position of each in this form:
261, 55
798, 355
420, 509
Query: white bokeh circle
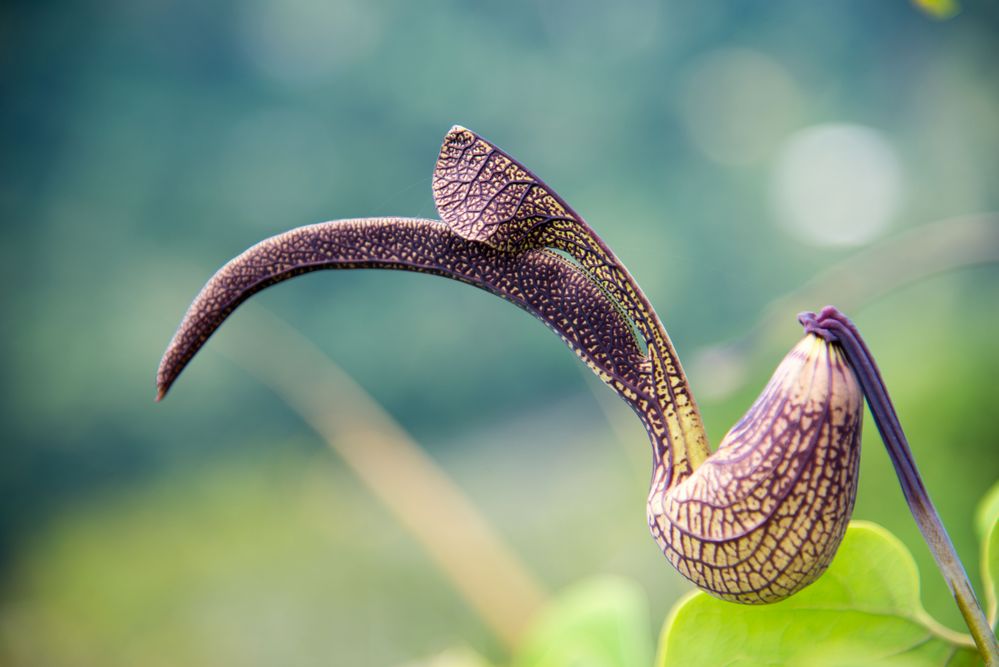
837, 184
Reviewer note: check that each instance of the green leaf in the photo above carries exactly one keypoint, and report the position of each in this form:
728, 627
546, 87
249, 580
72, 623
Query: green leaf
987, 522
600, 622
865, 610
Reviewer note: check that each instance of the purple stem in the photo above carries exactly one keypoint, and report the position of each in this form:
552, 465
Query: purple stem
832, 325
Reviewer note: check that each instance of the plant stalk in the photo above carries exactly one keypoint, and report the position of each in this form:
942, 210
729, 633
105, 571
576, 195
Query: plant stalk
834, 326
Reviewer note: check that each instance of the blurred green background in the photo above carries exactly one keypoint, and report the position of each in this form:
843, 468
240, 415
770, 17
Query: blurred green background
728, 151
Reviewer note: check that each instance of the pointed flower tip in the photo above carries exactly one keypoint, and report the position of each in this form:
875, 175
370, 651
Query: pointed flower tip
452, 147
161, 392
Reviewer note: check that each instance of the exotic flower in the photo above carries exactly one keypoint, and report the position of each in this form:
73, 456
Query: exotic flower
755, 521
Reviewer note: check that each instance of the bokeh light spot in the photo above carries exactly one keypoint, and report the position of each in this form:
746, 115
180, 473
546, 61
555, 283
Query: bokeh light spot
837, 184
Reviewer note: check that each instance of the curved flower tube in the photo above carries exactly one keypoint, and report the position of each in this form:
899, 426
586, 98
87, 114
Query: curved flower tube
755, 521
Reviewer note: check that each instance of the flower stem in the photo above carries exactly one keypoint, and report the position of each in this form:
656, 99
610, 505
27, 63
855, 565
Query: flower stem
834, 326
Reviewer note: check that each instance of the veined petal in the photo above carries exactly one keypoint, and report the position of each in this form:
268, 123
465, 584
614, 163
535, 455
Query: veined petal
486, 195
763, 516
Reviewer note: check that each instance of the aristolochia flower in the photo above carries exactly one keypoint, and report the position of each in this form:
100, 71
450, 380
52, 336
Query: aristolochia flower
754, 522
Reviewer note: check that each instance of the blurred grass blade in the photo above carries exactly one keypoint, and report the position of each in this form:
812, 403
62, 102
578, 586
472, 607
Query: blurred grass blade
482, 567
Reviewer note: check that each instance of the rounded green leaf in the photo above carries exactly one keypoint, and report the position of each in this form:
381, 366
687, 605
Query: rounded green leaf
864, 610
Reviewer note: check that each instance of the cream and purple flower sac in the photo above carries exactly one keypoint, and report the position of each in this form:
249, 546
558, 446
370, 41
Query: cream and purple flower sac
756, 521
762, 517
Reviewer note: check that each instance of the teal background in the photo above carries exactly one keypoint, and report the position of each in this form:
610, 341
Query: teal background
144, 143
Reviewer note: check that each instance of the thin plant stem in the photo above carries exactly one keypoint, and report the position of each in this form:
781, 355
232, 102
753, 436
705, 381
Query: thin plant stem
834, 326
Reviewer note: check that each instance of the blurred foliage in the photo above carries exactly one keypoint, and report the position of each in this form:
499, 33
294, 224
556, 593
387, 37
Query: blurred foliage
941, 9
147, 142
273, 561
988, 532
596, 622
